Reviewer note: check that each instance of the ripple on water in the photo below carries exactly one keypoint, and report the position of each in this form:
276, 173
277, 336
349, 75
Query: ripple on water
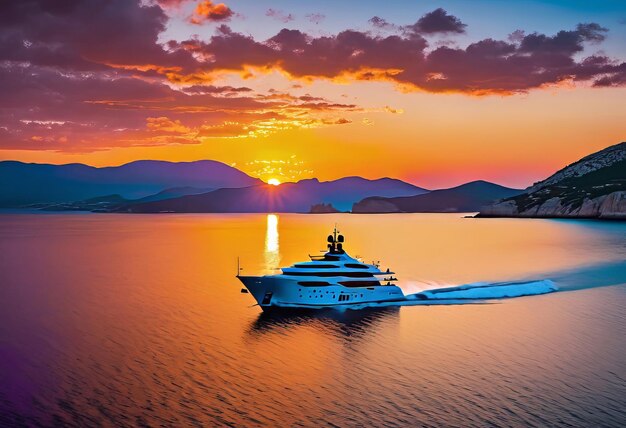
148, 327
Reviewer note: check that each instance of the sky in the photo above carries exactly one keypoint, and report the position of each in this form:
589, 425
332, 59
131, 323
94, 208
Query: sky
434, 93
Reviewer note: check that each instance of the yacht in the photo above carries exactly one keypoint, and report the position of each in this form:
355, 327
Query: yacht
334, 279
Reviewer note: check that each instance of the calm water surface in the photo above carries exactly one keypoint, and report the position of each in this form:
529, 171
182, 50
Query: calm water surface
116, 320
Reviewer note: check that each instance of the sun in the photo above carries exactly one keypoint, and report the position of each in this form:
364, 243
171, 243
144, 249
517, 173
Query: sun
273, 181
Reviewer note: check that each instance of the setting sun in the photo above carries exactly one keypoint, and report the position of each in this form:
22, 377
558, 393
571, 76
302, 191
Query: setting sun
273, 181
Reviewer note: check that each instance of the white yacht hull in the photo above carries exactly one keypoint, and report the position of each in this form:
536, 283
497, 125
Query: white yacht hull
278, 291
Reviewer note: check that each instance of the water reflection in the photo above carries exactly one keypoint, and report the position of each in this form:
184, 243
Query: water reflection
137, 320
272, 251
348, 323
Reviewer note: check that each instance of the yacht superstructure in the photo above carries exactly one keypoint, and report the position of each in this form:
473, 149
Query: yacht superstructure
331, 279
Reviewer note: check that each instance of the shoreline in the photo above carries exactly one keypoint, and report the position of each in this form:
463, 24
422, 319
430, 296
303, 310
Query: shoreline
556, 217
461, 214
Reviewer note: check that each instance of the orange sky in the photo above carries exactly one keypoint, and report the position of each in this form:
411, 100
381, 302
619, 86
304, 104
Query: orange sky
449, 116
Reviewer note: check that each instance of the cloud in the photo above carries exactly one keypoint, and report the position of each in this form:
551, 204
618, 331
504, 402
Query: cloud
438, 21
393, 110
340, 121
617, 78
44, 109
94, 74
516, 36
87, 35
225, 129
164, 124
207, 11
315, 18
216, 90
279, 15
489, 66
381, 23
564, 42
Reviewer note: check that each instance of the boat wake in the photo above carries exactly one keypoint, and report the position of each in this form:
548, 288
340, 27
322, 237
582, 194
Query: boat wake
585, 277
484, 290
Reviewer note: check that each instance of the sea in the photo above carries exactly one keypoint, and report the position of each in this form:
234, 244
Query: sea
119, 320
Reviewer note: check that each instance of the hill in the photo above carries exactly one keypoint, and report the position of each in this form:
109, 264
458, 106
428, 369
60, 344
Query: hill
23, 184
593, 187
465, 198
288, 197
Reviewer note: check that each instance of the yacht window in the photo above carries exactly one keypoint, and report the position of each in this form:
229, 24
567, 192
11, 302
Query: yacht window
347, 274
359, 283
267, 299
313, 284
316, 266
356, 266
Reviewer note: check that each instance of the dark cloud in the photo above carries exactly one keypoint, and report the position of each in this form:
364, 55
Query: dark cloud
381, 23
377, 21
302, 55
521, 63
438, 21
616, 78
564, 42
85, 35
69, 68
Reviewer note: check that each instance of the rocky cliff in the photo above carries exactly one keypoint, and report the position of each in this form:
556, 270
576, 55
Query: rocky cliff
593, 187
323, 209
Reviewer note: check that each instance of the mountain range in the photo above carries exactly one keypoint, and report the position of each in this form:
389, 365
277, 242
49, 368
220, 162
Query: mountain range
155, 186
468, 197
593, 187
23, 184
288, 197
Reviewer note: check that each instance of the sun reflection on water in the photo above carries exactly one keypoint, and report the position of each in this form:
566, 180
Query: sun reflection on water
272, 254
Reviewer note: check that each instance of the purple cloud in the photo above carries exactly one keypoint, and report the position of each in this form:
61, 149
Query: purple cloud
279, 15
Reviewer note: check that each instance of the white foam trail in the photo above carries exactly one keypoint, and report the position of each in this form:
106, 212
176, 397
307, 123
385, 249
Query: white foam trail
417, 286
481, 290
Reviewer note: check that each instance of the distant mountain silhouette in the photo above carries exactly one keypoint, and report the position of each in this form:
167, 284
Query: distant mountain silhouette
174, 192
108, 203
25, 184
465, 198
288, 197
